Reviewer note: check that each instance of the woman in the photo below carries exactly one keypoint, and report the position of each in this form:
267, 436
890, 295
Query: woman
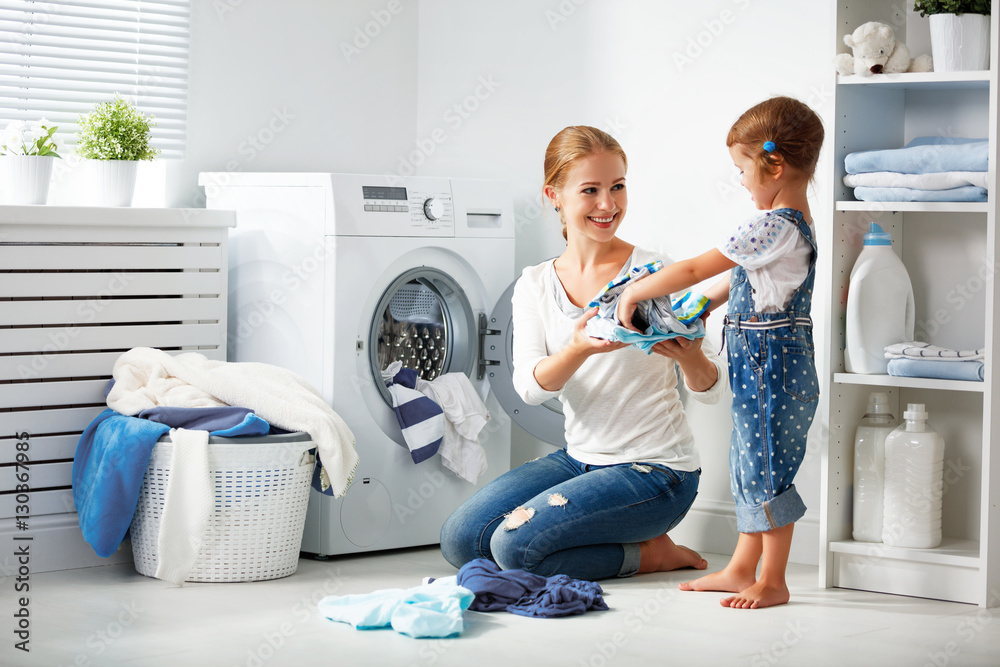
601, 507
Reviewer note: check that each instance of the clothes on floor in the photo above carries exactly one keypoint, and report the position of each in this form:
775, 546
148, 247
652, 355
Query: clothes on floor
973, 371
528, 594
642, 419
558, 515
655, 318
146, 378
920, 350
430, 610
773, 254
465, 416
420, 419
772, 372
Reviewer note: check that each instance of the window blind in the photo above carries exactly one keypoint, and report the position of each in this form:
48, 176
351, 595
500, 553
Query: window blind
59, 59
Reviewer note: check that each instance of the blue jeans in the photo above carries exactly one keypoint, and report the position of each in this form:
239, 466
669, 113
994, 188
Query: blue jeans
608, 510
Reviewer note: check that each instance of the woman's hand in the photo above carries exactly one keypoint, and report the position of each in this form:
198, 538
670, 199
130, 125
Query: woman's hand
587, 345
680, 349
552, 372
700, 374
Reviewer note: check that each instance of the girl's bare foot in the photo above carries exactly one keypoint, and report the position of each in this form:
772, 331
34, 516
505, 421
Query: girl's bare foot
728, 580
759, 595
660, 554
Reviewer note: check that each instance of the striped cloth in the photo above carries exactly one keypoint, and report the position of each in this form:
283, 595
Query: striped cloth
421, 420
919, 350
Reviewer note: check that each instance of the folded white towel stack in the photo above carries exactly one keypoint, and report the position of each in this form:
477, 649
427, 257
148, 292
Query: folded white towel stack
919, 350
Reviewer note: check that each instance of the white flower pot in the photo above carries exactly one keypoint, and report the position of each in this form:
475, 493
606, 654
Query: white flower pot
960, 42
115, 181
27, 178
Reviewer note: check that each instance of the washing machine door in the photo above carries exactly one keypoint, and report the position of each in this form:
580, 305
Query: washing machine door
546, 421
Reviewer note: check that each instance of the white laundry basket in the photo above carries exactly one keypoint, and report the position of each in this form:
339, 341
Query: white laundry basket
261, 494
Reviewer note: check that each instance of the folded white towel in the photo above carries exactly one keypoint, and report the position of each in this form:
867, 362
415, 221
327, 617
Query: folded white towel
465, 416
146, 377
187, 506
942, 180
919, 350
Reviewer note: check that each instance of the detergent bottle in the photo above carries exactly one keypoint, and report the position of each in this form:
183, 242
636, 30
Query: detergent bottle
869, 467
914, 483
880, 308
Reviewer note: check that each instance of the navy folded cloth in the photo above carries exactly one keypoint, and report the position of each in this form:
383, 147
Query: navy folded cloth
528, 594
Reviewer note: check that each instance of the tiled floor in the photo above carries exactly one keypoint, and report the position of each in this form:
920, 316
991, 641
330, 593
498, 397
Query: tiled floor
113, 616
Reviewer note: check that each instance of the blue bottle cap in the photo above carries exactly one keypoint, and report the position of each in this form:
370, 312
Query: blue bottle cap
877, 236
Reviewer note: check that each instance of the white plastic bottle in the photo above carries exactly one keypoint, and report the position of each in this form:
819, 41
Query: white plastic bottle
914, 465
869, 467
879, 305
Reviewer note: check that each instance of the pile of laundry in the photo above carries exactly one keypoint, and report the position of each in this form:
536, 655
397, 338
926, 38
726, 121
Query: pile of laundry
191, 397
436, 608
915, 359
656, 319
442, 416
926, 169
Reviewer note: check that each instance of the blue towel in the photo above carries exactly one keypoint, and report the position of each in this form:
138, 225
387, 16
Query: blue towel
941, 370
431, 610
923, 155
964, 193
528, 594
209, 419
420, 419
110, 462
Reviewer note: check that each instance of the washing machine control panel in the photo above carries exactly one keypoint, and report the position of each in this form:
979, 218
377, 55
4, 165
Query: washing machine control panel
423, 208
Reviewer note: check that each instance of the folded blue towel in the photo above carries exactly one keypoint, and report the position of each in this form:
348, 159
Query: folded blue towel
421, 420
528, 594
964, 193
110, 462
923, 155
942, 370
431, 610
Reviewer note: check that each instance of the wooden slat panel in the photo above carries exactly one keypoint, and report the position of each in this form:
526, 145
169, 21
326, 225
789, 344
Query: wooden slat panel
41, 422
93, 311
58, 501
78, 234
44, 448
34, 394
34, 258
43, 475
119, 283
83, 364
63, 339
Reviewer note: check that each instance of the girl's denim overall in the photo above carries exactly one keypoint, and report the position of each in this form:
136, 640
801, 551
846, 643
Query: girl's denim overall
772, 372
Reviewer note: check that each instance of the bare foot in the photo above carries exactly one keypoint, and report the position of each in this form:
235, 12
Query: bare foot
660, 554
728, 580
759, 595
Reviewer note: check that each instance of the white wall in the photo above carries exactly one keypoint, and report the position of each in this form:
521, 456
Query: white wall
473, 89
667, 84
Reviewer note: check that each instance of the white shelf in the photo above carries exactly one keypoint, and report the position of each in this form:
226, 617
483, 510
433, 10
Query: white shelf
914, 206
920, 80
914, 383
961, 553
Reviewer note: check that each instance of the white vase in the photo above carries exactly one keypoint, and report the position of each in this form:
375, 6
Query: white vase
960, 42
115, 181
28, 178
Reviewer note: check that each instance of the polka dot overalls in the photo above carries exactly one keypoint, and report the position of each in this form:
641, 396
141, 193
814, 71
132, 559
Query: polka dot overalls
772, 372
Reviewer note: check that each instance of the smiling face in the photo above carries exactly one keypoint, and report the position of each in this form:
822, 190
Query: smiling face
761, 185
592, 199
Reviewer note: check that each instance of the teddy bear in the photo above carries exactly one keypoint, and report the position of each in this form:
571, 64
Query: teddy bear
877, 51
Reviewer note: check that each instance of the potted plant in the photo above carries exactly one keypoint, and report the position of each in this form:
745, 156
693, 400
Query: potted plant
116, 136
28, 161
960, 33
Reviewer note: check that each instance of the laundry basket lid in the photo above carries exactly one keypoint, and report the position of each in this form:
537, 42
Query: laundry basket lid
272, 438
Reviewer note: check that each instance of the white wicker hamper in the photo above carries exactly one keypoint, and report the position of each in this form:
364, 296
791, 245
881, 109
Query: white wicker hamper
261, 495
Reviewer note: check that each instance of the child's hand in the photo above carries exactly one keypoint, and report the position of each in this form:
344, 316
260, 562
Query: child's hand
587, 344
625, 310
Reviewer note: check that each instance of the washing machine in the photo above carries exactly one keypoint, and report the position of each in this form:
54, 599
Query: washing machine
335, 276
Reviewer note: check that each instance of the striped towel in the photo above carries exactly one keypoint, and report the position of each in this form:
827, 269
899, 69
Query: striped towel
919, 350
420, 419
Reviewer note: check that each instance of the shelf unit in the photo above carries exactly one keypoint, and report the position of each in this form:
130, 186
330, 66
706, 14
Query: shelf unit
949, 250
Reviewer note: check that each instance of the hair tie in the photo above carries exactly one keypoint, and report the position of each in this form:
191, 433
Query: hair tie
769, 146
557, 209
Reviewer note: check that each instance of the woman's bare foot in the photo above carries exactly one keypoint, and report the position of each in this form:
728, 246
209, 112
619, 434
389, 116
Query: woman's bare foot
660, 554
728, 580
759, 595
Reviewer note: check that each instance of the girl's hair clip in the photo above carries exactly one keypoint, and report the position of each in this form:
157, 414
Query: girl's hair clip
769, 146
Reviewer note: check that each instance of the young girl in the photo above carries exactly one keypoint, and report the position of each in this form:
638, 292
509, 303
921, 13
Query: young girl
768, 333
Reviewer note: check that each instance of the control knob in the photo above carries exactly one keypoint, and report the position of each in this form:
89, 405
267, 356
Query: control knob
433, 208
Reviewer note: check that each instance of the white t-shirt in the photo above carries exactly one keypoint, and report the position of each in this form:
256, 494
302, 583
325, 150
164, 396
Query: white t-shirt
774, 254
620, 406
